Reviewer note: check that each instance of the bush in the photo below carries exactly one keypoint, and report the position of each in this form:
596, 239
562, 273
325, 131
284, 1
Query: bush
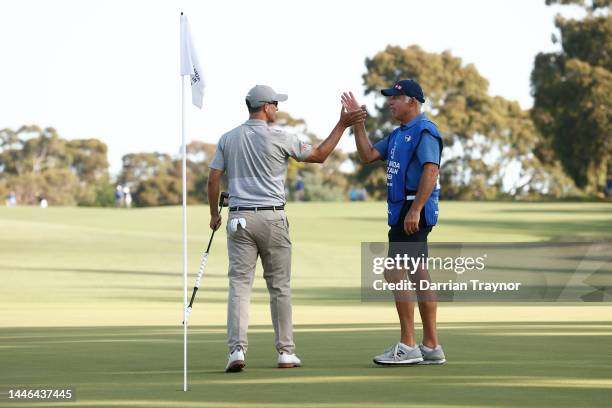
105, 195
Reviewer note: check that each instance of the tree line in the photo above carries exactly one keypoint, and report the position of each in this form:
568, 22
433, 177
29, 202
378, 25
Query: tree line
493, 148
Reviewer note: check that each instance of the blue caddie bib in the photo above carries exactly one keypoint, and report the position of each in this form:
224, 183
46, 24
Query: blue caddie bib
402, 148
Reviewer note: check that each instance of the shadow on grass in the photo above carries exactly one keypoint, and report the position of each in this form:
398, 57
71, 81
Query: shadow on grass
585, 211
301, 296
550, 229
124, 272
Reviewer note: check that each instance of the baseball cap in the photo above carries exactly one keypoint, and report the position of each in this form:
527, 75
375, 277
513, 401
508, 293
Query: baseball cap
408, 87
260, 94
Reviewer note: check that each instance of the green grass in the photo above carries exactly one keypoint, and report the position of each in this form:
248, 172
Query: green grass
92, 298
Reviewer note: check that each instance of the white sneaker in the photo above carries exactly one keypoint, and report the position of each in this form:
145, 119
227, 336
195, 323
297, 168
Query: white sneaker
400, 354
235, 362
288, 360
432, 355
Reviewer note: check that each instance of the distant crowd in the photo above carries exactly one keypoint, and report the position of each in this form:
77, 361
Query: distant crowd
123, 197
11, 200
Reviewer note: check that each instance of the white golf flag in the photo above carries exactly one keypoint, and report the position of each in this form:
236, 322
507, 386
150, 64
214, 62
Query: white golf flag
190, 65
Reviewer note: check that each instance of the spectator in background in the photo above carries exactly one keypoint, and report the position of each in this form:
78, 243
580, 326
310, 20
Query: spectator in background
127, 197
362, 194
119, 196
299, 189
357, 194
11, 199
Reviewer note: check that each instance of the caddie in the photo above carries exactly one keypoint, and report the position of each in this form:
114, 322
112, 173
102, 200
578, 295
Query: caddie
413, 153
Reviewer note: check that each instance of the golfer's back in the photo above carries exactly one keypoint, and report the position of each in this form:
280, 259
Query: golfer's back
255, 157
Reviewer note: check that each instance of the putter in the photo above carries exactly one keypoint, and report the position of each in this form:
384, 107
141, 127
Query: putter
222, 203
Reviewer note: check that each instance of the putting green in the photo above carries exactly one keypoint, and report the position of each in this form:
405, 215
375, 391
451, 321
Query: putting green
490, 366
92, 298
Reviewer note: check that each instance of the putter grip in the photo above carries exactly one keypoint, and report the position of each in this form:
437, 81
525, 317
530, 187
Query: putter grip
203, 264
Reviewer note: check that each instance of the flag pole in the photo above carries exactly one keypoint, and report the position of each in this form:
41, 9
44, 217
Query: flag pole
184, 154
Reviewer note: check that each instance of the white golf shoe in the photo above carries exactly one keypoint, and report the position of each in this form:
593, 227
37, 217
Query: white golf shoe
288, 360
235, 362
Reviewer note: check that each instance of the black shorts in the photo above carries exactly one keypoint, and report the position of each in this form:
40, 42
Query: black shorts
414, 245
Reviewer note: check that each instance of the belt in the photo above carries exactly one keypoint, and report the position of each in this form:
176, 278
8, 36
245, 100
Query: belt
269, 208
410, 195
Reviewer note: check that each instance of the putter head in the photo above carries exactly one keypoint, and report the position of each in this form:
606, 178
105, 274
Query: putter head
223, 199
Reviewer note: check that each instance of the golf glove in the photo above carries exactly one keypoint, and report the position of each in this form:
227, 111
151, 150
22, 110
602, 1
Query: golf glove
234, 224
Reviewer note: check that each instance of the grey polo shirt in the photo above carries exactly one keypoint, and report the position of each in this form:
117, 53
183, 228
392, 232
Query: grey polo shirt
254, 157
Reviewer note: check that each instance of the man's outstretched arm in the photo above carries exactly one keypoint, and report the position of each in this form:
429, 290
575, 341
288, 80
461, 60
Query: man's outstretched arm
347, 119
367, 152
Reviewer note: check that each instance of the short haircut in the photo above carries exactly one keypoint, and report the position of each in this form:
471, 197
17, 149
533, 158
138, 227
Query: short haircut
419, 104
252, 109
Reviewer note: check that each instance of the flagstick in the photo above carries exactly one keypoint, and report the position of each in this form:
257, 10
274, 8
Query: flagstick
184, 154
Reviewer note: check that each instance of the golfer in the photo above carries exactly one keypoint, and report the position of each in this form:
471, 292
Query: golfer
254, 157
413, 152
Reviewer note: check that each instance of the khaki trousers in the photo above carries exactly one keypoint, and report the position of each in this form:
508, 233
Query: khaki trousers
267, 235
